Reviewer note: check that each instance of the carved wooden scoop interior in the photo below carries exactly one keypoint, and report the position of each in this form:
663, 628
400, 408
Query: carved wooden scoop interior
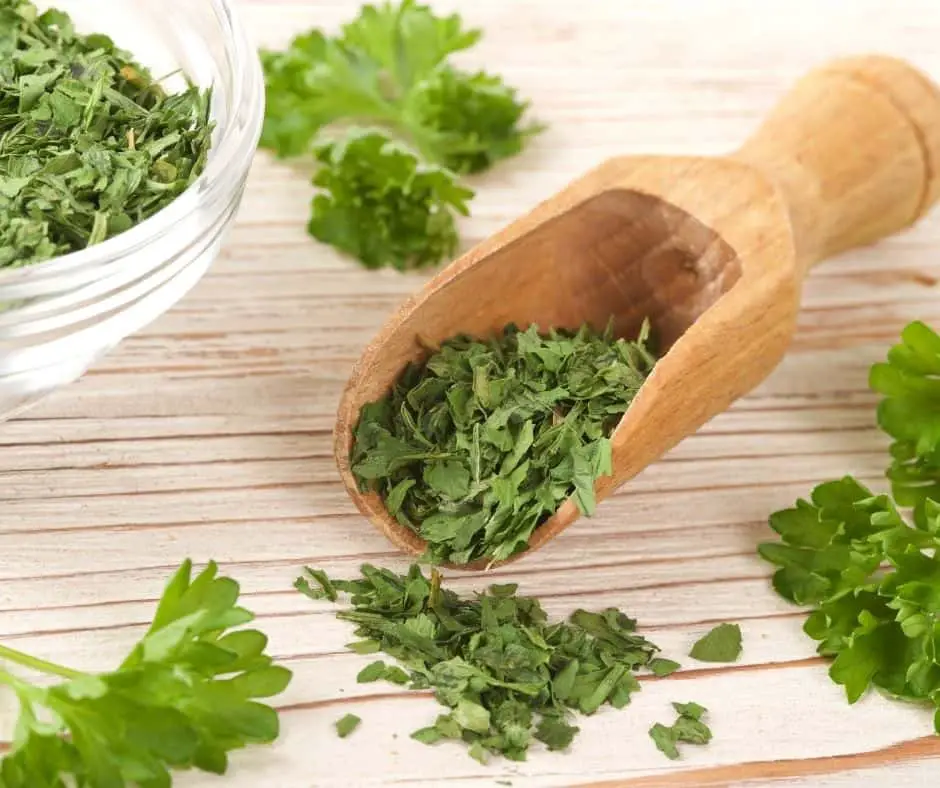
712, 250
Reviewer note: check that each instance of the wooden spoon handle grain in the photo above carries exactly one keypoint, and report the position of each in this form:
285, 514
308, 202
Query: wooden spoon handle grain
855, 149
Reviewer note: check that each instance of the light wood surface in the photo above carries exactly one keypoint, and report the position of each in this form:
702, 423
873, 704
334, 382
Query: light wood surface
712, 251
209, 433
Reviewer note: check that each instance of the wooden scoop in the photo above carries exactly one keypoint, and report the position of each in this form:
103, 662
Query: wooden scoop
713, 250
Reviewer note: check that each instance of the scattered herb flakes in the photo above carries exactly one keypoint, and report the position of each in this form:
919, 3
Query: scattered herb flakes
505, 674
185, 696
663, 667
379, 203
323, 588
92, 144
871, 576
390, 200
346, 725
722, 644
480, 444
372, 672
687, 728
665, 740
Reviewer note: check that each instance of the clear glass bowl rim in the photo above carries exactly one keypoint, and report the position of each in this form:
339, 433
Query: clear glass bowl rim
229, 153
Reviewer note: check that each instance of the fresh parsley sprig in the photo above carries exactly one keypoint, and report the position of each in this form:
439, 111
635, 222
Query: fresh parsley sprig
388, 70
873, 582
379, 203
910, 413
184, 697
870, 575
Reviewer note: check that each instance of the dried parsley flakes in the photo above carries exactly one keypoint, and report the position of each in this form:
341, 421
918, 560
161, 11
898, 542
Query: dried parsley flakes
90, 144
721, 644
506, 675
687, 728
478, 446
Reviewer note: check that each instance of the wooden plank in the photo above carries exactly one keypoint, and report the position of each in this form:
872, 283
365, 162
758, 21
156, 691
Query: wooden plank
208, 434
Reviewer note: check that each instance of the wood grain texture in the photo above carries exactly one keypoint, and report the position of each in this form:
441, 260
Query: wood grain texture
208, 434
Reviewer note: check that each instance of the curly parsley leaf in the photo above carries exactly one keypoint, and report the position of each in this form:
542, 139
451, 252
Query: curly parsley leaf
873, 581
388, 69
721, 644
403, 44
380, 204
505, 674
474, 119
910, 413
827, 545
185, 696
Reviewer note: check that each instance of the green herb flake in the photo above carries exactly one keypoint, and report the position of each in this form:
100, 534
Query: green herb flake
346, 725
506, 676
721, 644
372, 672
664, 667
483, 442
184, 697
688, 728
92, 144
319, 588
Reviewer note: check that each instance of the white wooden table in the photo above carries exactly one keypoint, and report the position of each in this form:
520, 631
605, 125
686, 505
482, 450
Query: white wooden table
208, 434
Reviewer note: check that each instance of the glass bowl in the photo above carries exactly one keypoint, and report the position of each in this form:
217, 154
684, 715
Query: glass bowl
58, 317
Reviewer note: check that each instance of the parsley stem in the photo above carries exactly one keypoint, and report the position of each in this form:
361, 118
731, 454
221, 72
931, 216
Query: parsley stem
43, 666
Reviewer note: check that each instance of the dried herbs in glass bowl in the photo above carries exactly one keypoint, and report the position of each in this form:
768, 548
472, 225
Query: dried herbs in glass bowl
126, 134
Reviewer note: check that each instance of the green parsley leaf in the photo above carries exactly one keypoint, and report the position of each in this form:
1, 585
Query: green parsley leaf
691, 710
665, 739
380, 204
910, 413
364, 74
663, 667
480, 444
555, 733
346, 725
721, 644
372, 672
323, 590
92, 144
185, 696
388, 70
504, 673
687, 728
473, 120
872, 577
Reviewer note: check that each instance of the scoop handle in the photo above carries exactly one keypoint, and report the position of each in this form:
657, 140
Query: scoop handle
855, 149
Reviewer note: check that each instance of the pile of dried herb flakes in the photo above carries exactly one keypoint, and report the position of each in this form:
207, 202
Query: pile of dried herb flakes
479, 445
507, 676
91, 144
